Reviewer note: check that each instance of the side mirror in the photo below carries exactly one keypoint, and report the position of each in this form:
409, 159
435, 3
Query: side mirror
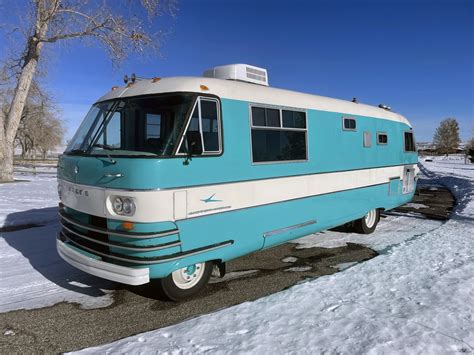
192, 146
194, 143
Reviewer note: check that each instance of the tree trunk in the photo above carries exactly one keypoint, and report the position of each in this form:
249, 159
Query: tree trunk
13, 118
6, 161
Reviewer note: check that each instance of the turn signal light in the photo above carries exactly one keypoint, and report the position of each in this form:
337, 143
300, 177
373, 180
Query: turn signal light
204, 87
128, 225
155, 79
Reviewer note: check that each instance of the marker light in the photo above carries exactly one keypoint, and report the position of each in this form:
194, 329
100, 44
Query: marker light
155, 79
204, 87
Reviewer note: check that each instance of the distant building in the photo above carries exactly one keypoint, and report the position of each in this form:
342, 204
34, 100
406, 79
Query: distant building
426, 148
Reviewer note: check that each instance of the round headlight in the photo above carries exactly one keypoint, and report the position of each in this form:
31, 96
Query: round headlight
128, 206
117, 205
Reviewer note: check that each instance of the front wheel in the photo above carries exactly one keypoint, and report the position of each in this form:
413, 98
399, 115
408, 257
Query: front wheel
367, 224
186, 282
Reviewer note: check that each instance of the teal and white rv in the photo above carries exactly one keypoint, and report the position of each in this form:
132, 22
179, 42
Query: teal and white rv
170, 178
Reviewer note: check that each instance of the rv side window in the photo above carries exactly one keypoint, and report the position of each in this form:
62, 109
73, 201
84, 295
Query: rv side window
265, 117
203, 132
210, 125
294, 119
278, 135
349, 124
382, 138
409, 142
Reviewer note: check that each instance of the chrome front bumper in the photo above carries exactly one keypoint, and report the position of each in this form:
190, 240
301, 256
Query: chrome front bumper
118, 273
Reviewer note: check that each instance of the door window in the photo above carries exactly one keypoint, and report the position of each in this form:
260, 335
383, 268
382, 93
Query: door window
203, 134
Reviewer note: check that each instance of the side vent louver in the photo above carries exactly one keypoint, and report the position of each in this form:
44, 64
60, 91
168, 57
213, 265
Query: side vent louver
256, 74
239, 72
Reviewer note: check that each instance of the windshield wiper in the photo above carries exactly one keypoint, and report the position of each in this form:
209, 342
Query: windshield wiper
106, 147
77, 151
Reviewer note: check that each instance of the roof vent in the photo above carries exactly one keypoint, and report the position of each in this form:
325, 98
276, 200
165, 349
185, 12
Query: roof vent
240, 72
385, 107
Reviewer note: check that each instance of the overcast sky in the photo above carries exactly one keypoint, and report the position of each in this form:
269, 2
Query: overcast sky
416, 56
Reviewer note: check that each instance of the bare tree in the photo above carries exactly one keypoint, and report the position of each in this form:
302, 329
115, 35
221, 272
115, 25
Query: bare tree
58, 20
40, 128
446, 138
50, 135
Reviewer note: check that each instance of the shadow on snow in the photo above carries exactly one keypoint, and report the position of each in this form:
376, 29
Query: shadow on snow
38, 246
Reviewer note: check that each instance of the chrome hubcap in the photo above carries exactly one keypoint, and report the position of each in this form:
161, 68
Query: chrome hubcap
189, 276
370, 218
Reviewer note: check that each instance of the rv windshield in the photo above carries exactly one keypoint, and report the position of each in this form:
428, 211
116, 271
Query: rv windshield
133, 126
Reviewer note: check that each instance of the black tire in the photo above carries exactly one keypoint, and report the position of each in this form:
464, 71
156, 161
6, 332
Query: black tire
171, 288
367, 225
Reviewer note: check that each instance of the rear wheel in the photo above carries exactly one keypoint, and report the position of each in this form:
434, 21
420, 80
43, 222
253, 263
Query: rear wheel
187, 281
367, 224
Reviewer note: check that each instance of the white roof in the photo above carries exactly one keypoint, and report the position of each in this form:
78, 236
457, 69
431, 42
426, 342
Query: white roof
237, 90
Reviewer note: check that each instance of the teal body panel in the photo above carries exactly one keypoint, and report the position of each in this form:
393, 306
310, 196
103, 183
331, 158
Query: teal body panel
330, 149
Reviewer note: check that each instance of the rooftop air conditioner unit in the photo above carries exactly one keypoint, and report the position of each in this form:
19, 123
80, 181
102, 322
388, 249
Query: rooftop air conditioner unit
240, 72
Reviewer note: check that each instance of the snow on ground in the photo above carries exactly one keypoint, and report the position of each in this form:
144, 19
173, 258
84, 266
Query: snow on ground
416, 297
34, 276
390, 232
451, 165
31, 272
34, 193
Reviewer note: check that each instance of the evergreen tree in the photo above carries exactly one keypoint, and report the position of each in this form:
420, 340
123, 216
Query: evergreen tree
446, 138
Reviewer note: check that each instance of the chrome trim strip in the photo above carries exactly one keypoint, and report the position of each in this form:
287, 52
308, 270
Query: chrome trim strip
156, 260
117, 233
118, 175
289, 228
121, 245
109, 271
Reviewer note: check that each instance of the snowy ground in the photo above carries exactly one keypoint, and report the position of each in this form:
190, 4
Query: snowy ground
35, 193
31, 272
416, 297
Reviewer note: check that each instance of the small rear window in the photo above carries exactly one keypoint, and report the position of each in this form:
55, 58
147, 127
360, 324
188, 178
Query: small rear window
382, 138
349, 124
409, 142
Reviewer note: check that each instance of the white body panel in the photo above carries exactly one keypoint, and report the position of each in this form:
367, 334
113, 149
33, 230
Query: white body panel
236, 90
182, 203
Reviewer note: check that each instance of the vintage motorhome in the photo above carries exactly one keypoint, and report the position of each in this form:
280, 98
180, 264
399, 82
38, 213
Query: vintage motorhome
167, 178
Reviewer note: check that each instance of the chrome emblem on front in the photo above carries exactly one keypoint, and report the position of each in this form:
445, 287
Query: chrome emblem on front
79, 192
76, 169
